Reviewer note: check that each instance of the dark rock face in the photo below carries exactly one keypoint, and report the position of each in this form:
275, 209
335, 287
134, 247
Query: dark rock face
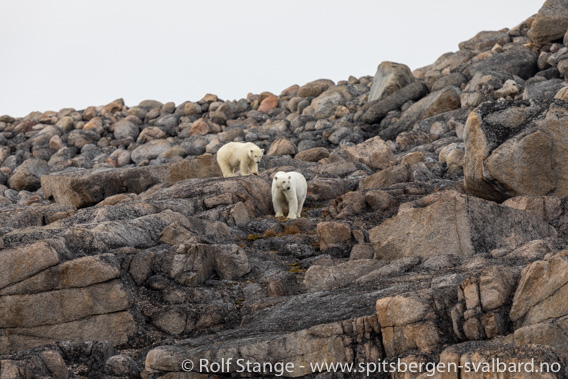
434, 230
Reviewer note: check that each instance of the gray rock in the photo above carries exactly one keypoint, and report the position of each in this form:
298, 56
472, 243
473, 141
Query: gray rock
326, 103
125, 129
374, 111
28, 175
150, 150
550, 22
485, 40
495, 132
455, 79
315, 88
79, 138
435, 103
545, 90
168, 123
123, 366
389, 78
519, 61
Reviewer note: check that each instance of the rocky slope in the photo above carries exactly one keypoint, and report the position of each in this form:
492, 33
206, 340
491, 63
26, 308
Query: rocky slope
434, 230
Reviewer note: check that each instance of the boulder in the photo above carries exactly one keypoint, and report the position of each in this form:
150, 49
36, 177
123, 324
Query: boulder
203, 127
374, 153
268, 104
125, 129
312, 155
435, 103
550, 22
315, 88
483, 86
331, 234
327, 103
374, 111
150, 150
519, 60
282, 146
514, 149
112, 107
28, 175
389, 78
81, 188
396, 174
455, 224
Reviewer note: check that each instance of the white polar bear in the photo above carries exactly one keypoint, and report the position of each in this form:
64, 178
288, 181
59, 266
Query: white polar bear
246, 156
289, 187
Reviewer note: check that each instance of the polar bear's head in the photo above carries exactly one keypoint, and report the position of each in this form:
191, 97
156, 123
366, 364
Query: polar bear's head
282, 181
255, 153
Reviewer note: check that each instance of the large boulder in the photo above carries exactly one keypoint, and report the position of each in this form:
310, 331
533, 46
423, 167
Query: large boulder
374, 111
550, 22
150, 150
326, 104
456, 224
519, 60
28, 175
374, 153
315, 88
81, 188
125, 129
389, 78
516, 149
435, 103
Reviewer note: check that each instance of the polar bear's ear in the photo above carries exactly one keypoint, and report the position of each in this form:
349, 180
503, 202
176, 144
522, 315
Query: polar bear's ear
262, 150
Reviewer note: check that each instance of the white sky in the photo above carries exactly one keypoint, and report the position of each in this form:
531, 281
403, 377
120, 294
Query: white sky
76, 53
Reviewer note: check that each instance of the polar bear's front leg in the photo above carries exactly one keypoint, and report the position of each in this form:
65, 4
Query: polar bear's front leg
292, 205
253, 168
244, 167
277, 204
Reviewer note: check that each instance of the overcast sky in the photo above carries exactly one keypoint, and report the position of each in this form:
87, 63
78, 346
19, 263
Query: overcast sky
58, 54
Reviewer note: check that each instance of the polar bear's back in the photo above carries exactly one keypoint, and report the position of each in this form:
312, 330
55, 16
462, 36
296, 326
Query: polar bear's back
233, 152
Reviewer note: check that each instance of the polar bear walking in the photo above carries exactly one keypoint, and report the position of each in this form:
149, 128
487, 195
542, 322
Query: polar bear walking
246, 156
289, 187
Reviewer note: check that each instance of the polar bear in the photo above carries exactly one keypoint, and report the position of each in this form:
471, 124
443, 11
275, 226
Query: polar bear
246, 156
289, 187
